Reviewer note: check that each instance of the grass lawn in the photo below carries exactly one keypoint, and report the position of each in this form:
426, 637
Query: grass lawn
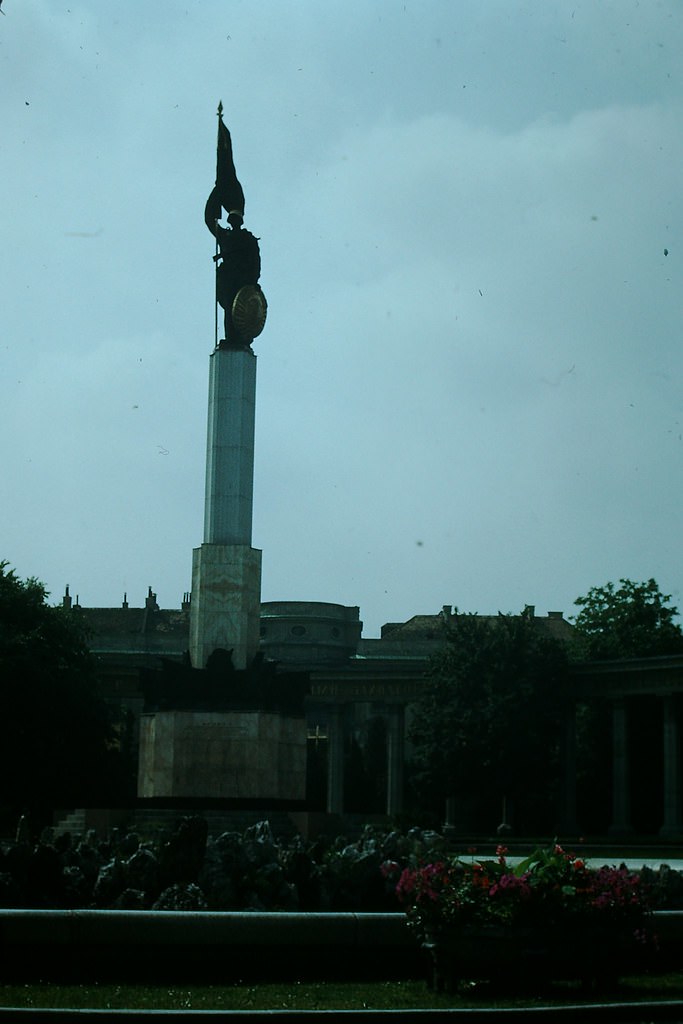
321, 995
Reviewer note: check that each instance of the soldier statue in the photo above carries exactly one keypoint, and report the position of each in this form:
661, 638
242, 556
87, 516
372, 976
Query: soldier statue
238, 260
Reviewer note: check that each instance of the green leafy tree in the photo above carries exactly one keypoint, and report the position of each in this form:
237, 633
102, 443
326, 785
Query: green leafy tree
488, 723
631, 620
624, 620
56, 741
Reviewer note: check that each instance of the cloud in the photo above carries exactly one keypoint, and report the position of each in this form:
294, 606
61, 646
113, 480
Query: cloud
472, 338
481, 351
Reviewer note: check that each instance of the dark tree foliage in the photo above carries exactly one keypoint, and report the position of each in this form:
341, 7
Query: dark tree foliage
487, 726
56, 746
632, 620
627, 620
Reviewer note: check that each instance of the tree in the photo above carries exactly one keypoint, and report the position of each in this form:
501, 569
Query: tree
56, 740
633, 620
487, 725
627, 620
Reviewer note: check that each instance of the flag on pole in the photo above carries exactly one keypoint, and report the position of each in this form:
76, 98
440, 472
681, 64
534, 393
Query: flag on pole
229, 189
227, 193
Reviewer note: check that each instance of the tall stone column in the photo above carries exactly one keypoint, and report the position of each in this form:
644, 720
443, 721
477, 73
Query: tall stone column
671, 826
621, 804
229, 486
226, 570
395, 751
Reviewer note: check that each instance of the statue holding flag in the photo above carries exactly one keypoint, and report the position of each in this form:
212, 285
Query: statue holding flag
238, 260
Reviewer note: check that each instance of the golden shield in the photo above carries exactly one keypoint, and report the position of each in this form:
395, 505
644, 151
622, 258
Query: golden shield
249, 311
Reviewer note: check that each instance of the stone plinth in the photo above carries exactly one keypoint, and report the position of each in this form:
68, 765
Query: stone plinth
225, 609
222, 754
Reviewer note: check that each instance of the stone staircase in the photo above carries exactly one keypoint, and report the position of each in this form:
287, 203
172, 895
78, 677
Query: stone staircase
74, 822
151, 822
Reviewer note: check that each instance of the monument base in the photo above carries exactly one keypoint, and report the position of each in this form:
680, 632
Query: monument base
222, 754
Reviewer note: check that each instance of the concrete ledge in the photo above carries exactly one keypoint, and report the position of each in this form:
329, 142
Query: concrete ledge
587, 1013
169, 928
231, 928
231, 946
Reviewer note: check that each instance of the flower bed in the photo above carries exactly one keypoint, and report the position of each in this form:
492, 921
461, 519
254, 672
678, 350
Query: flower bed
548, 915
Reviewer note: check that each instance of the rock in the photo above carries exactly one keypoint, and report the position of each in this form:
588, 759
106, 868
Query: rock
303, 873
88, 860
181, 857
131, 899
181, 896
16, 861
258, 844
10, 891
142, 872
224, 865
129, 844
267, 883
45, 877
111, 881
63, 844
75, 886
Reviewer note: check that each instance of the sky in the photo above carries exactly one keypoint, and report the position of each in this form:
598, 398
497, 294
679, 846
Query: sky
471, 230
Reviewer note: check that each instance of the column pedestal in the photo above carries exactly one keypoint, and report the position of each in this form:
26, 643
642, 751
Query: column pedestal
226, 602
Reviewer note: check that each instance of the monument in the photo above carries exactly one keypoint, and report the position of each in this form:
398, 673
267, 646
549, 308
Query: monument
226, 724
226, 569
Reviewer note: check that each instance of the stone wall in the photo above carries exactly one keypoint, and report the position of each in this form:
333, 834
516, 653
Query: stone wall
222, 754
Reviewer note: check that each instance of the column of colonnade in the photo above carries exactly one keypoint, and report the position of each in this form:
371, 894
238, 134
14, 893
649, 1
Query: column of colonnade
395, 722
672, 821
672, 790
671, 825
621, 824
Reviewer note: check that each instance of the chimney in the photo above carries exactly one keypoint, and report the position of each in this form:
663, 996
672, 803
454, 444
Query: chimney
66, 600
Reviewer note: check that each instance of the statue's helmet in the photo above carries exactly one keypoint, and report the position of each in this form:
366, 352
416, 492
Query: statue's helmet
235, 218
